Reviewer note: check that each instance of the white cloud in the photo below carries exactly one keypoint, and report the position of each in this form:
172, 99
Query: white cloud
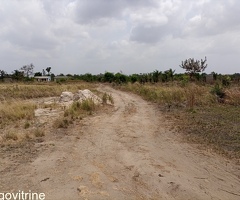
77, 36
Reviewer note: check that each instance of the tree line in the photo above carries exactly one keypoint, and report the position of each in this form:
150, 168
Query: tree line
194, 71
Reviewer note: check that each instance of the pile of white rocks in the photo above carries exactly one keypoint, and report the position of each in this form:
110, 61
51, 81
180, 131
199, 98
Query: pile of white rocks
68, 98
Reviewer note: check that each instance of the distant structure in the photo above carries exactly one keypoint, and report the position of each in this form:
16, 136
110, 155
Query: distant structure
43, 78
209, 78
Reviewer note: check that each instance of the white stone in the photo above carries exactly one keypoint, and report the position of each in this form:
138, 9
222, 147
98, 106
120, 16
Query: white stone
66, 97
87, 94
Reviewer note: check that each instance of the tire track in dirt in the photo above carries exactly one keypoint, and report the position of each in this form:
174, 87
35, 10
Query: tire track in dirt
128, 154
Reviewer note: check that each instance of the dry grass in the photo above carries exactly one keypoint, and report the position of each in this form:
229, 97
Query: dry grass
107, 98
216, 127
76, 111
198, 113
39, 132
173, 95
24, 91
17, 117
233, 96
13, 111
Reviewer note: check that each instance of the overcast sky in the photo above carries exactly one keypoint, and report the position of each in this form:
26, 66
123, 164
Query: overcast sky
132, 36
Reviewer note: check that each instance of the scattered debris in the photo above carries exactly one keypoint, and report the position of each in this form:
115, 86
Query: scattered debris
45, 179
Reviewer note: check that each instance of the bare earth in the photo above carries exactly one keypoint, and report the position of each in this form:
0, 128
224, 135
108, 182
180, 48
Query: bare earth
126, 153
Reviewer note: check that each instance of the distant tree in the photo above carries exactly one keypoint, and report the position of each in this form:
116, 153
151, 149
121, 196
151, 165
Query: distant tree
87, 77
215, 75
38, 74
155, 75
120, 78
164, 76
43, 72
108, 77
2, 74
27, 70
133, 78
52, 76
48, 69
18, 75
169, 74
194, 66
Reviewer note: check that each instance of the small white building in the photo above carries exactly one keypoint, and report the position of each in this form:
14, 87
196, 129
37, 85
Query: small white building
42, 78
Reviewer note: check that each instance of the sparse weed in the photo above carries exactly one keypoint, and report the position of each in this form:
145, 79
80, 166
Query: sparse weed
26, 125
104, 98
12, 111
61, 123
107, 98
88, 105
39, 133
110, 98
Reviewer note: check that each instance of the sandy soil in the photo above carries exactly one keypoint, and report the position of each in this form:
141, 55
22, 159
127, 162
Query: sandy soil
128, 153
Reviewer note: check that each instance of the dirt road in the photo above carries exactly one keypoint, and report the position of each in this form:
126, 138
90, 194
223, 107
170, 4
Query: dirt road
125, 154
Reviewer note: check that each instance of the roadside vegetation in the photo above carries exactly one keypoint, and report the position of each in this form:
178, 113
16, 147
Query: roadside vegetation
204, 113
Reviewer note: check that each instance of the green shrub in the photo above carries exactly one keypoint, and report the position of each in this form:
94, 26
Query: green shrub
219, 91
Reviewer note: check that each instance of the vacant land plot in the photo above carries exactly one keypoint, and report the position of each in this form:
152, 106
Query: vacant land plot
127, 151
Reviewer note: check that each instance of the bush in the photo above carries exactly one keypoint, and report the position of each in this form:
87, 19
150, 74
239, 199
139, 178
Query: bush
107, 97
218, 91
88, 105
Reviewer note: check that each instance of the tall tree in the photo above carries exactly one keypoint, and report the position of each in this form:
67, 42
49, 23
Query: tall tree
193, 66
27, 70
48, 69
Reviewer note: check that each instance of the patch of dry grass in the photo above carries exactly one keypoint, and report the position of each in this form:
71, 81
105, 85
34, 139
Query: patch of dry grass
217, 127
34, 90
107, 98
13, 111
173, 95
233, 95
77, 110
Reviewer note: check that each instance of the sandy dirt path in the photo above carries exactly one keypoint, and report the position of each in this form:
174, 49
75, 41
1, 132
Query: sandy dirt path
125, 154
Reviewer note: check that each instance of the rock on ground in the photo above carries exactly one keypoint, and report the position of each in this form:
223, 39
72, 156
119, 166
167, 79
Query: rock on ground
66, 97
82, 95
